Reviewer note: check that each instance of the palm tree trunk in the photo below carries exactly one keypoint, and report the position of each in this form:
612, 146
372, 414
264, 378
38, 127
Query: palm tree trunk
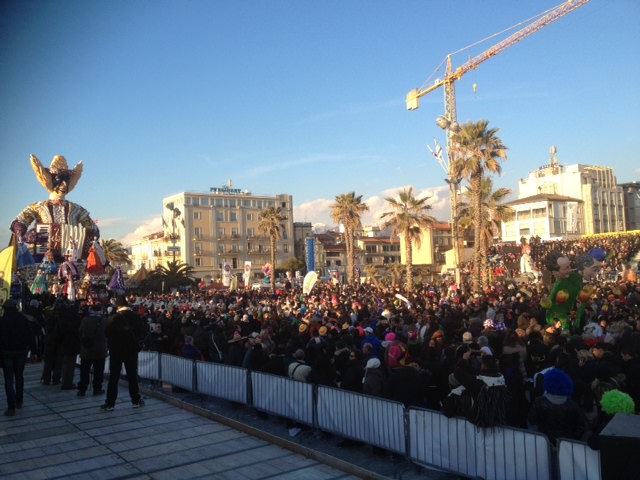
477, 233
409, 255
273, 263
350, 256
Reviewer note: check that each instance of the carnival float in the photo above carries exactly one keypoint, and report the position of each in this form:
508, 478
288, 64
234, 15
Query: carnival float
54, 248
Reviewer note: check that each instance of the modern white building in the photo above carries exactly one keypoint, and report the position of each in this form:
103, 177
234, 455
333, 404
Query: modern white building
558, 201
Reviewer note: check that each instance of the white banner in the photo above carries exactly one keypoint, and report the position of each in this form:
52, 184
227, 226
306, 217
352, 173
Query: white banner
246, 276
226, 275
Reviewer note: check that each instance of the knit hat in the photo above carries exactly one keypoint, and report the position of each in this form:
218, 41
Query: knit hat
615, 401
390, 337
557, 382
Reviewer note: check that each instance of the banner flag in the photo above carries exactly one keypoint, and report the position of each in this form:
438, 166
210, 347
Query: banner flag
7, 258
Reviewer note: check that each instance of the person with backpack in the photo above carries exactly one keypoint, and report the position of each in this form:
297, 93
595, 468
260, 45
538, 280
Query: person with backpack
125, 331
487, 389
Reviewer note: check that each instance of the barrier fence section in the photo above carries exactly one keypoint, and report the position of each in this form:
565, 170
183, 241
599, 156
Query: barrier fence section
149, 365
178, 371
457, 445
426, 437
577, 461
446, 443
372, 420
222, 381
283, 396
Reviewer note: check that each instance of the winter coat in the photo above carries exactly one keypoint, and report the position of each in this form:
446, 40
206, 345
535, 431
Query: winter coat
125, 332
557, 417
93, 342
16, 334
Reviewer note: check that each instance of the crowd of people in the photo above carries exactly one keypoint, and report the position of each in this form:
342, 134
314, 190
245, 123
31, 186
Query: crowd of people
491, 356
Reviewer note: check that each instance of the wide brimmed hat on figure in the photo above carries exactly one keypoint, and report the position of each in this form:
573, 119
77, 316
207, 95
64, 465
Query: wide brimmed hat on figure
57, 171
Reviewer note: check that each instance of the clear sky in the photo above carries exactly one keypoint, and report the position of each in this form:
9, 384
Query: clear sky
298, 96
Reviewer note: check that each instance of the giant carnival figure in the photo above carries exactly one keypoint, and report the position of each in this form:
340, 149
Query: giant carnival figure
571, 286
55, 226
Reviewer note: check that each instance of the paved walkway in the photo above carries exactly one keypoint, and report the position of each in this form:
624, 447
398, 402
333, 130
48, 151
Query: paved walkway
59, 435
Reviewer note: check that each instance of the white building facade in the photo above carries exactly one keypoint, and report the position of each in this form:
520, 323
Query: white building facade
558, 201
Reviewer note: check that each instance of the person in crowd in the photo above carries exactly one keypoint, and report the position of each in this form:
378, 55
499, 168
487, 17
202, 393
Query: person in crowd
189, 350
554, 413
16, 342
52, 361
488, 390
125, 331
298, 369
68, 334
612, 402
93, 350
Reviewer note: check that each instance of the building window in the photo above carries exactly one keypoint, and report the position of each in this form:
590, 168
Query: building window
220, 248
204, 202
234, 232
233, 217
195, 202
198, 248
218, 202
249, 217
220, 216
250, 232
197, 216
234, 262
197, 232
285, 248
232, 202
198, 262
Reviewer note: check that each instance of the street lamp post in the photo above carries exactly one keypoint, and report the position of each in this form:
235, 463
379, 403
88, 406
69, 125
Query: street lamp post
453, 180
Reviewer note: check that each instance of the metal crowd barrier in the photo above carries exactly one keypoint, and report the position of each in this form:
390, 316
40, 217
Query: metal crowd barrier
178, 371
148, 365
456, 445
222, 381
283, 396
427, 438
576, 461
372, 420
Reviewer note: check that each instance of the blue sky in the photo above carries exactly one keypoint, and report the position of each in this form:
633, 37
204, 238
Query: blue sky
300, 97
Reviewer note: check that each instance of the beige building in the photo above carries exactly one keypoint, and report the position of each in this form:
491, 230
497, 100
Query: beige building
558, 201
217, 228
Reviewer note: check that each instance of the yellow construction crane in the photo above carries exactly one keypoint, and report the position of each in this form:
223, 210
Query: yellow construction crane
449, 122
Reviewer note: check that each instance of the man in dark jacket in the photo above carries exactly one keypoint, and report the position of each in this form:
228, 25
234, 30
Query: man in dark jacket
93, 350
124, 331
16, 339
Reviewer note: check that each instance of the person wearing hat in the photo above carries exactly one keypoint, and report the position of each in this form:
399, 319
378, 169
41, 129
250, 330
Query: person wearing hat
612, 402
125, 331
16, 340
374, 341
64, 219
554, 413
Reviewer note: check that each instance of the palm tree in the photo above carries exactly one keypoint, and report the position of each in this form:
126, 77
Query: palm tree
271, 224
348, 211
407, 219
175, 274
494, 213
115, 253
476, 150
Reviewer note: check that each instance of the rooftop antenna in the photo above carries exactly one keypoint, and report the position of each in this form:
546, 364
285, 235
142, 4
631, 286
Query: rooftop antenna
553, 158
